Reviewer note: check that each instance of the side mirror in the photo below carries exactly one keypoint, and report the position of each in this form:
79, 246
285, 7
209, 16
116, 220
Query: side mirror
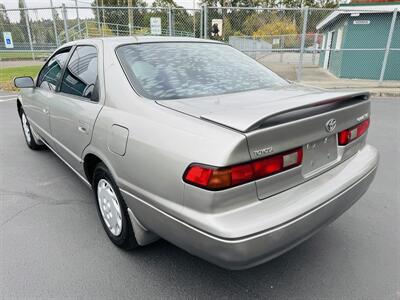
24, 82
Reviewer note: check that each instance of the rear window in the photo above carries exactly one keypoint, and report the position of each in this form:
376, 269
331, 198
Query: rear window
162, 71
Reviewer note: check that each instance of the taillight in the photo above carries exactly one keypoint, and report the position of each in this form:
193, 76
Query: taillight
348, 135
213, 178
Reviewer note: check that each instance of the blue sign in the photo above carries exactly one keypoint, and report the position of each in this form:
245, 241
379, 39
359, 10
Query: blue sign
8, 39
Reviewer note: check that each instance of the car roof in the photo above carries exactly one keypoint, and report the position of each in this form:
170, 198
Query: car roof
120, 40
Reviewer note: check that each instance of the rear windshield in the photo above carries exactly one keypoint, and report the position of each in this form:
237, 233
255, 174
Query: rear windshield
179, 70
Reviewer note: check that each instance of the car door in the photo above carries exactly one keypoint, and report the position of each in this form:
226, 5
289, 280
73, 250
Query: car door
77, 106
37, 101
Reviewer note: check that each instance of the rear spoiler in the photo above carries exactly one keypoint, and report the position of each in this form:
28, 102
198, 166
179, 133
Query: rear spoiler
308, 110
295, 112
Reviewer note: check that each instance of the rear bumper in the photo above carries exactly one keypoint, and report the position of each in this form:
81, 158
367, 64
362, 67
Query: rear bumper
254, 249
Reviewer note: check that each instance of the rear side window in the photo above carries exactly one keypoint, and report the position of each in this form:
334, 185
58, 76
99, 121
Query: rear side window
81, 73
51, 72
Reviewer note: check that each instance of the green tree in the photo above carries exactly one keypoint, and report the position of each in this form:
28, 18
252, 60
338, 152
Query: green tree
253, 23
4, 21
22, 19
164, 3
119, 16
7, 26
280, 27
22, 16
3, 15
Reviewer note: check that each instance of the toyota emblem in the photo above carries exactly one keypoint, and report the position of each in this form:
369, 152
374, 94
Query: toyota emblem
330, 125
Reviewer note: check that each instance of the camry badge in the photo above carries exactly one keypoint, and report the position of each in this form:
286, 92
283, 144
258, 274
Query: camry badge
330, 125
263, 152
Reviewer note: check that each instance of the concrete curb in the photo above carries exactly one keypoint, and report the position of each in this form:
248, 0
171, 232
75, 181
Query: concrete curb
376, 91
385, 94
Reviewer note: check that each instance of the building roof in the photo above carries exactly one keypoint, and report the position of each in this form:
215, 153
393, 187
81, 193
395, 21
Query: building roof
358, 9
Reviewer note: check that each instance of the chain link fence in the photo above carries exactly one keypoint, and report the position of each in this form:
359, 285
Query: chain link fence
347, 42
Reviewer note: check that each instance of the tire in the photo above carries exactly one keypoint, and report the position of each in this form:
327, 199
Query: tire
108, 200
26, 129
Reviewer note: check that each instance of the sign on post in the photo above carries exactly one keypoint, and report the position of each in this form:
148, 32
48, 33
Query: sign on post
155, 26
216, 27
8, 40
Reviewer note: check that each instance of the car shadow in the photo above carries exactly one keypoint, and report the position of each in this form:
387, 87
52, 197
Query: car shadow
291, 268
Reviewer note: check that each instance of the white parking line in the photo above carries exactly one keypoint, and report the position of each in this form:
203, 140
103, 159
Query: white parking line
8, 99
8, 96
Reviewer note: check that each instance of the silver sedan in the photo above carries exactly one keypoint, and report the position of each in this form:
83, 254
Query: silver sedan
194, 142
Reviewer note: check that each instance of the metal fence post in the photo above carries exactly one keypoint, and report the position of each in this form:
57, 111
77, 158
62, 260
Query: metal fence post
77, 16
29, 30
315, 47
205, 30
54, 23
103, 17
201, 21
64, 13
194, 19
303, 41
389, 42
173, 13
98, 15
282, 46
130, 17
170, 19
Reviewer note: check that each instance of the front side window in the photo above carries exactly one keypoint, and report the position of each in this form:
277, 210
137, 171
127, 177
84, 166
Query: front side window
179, 70
81, 73
51, 72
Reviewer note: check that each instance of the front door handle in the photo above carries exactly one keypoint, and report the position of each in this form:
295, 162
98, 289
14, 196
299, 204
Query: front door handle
45, 111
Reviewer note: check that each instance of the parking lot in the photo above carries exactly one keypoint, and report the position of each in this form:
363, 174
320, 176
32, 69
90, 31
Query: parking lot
52, 244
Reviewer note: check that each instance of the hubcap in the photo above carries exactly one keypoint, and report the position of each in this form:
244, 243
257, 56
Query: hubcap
25, 127
109, 207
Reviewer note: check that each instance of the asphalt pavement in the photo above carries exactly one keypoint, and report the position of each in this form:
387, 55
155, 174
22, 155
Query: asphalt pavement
52, 244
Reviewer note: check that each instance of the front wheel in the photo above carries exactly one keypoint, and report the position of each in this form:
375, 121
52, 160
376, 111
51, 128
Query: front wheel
112, 209
28, 134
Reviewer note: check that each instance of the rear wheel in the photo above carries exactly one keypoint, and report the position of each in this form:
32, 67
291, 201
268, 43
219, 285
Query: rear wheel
112, 209
28, 134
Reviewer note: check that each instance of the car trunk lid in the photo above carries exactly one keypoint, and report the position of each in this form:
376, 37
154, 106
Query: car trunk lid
248, 111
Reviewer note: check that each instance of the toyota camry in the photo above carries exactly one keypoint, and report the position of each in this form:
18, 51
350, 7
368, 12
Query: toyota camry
193, 141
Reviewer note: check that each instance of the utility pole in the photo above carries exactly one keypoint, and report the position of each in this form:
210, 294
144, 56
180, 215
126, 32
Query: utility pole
53, 13
77, 16
130, 16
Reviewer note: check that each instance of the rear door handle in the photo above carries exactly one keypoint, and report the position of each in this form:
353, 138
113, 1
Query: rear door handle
82, 129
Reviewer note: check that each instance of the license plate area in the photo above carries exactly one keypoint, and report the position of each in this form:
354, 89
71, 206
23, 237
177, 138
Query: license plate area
319, 155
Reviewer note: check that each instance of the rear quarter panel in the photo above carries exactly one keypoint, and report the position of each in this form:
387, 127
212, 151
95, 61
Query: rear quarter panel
161, 143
